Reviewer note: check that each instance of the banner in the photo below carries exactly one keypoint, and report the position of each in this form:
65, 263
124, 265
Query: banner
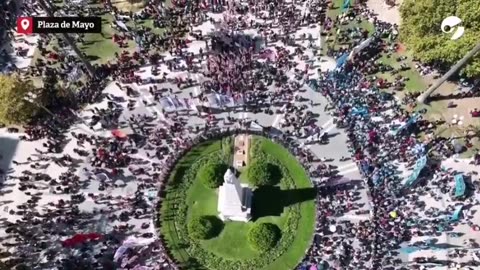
220, 101
172, 104
122, 25
419, 165
459, 185
360, 47
342, 60
362, 111
412, 120
130, 242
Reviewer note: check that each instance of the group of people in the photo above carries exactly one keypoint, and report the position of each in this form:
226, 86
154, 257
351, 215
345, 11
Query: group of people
379, 148
233, 63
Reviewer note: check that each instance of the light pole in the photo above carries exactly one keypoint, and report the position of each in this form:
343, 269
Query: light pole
424, 97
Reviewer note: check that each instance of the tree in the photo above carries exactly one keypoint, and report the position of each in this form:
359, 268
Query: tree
263, 236
204, 227
421, 32
261, 173
211, 174
14, 109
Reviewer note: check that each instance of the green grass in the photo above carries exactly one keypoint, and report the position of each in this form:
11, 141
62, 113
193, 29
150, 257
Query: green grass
232, 244
203, 201
100, 48
415, 81
332, 40
303, 238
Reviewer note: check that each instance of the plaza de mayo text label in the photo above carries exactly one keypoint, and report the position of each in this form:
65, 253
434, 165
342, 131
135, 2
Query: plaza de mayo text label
67, 25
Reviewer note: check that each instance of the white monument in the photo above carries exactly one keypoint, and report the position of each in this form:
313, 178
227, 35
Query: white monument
234, 199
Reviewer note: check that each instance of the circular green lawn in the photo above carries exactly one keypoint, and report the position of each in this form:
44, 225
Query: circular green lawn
289, 205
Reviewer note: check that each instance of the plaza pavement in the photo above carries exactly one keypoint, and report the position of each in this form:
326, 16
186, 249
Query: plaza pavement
14, 149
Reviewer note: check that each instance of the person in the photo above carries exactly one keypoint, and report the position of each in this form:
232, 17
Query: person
475, 113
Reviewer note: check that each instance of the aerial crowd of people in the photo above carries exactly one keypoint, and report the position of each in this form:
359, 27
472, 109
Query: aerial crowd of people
378, 127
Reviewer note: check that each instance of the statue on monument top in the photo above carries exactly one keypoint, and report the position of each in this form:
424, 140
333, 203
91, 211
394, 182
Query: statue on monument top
229, 177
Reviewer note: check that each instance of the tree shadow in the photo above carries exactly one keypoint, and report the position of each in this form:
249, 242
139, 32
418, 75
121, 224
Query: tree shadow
271, 200
217, 228
193, 263
275, 173
92, 57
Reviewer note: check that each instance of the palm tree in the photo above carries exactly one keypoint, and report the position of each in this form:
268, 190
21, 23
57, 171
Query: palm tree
423, 97
49, 9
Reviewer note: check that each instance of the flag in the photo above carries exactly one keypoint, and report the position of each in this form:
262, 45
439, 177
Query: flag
360, 47
342, 60
122, 25
346, 5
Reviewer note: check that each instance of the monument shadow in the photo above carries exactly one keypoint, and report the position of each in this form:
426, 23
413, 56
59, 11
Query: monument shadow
9, 148
271, 200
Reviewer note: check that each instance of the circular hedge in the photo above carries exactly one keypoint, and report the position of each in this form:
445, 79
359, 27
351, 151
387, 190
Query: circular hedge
264, 236
204, 227
298, 224
260, 173
211, 174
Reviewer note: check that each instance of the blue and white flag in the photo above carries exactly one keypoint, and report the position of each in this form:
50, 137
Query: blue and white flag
342, 60
346, 5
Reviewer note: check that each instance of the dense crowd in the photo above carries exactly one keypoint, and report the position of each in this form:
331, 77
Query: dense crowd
234, 64
397, 214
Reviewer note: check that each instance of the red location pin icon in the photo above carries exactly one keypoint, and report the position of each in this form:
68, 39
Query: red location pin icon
24, 25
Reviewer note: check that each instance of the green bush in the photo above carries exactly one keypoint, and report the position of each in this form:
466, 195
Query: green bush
211, 174
262, 173
204, 227
263, 236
